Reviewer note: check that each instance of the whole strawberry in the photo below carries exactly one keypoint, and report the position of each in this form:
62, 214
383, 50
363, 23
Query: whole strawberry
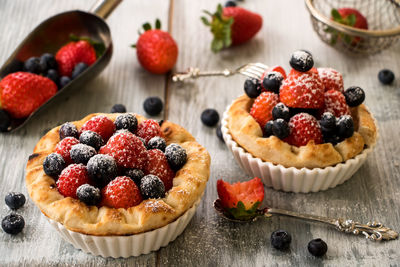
335, 102
71, 178
101, 125
158, 166
331, 79
156, 50
148, 129
232, 26
122, 192
262, 107
303, 129
22, 93
350, 17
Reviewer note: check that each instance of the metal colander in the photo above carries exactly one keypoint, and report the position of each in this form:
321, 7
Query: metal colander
383, 18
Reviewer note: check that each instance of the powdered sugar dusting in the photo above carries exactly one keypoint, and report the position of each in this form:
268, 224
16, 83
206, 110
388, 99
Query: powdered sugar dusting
331, 79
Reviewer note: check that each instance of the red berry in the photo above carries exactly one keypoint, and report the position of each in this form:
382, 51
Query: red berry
331, 79
360, 22
158, 165
71, 178
64, 147
148, 129
262, 107
304, 128
101, 125
302, 90
122, 192
127, 149
335, 102
22, 93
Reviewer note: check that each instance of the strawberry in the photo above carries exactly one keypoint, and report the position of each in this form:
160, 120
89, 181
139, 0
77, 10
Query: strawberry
71, 178
331, 79
302, 90
148, 129
101, 125
127, 150
156, 50
73, 53
22, 93
122, 192
350, 17
64, 147
232, 26
261, 110
241, 199
304, 128
274, 68
335, 102
158, 165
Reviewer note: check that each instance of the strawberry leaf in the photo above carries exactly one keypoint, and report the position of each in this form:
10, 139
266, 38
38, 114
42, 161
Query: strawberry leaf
158, 24
241, 213
336, 15
146, 26
99, 47
351, 19
205, 21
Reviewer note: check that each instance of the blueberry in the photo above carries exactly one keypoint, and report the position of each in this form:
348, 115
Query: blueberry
91, 139
13, 224
345, 126
332, 138
88, 194
272, 81
64, 80
68, 129
176, 156
280, 239
386, 76
33, 65
328, 123
280, 128
126, 121
15, 200
81, 153
354, 96
102, 169
53, 164
210, 117
268, 129
280, 111
153, 105
157, 143
5, 120
317, 247
135, 174
252, 88
312, 111
230, 4
118, 108
301, 61
49, 61
152, 187
219, 133
52, 75
79, 68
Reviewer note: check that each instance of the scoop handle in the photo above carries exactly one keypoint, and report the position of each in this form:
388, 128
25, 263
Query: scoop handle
103, 8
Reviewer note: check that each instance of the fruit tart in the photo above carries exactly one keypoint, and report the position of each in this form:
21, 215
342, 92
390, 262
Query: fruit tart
300, 131
118, 184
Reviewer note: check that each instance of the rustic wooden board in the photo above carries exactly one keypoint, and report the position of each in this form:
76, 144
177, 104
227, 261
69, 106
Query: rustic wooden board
372, 194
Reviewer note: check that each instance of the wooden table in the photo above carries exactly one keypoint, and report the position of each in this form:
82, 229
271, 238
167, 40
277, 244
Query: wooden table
372, 194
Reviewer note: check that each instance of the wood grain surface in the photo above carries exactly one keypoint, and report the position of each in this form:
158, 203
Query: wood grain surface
373, 193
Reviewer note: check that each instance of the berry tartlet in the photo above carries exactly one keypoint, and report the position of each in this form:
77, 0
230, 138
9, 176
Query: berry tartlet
117, 184
301, 132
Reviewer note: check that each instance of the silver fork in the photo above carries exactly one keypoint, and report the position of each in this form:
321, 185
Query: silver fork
252, 70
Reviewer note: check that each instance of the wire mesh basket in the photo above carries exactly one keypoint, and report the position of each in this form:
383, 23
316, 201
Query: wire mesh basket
383, 18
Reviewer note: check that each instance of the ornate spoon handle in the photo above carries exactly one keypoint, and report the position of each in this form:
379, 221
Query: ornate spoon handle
195, 73
372, 230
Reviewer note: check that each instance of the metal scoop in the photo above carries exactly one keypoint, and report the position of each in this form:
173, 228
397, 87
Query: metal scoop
53, 33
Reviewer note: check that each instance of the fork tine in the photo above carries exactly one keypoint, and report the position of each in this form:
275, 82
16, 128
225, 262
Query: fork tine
251, 75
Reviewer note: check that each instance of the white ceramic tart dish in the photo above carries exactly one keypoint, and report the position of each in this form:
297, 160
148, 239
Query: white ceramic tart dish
98, 230
310, 168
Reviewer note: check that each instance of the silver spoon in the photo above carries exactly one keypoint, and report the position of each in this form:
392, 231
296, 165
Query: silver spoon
53, 33
374, 231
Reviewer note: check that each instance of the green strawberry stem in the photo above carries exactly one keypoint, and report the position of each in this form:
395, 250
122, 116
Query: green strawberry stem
241, 213
147, 27
349, 20
99, 47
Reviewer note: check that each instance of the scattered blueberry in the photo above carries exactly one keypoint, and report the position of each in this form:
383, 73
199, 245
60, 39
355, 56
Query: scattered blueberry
135, 174
5, 120
49, 61
386, 76
79, 68
268, 129
88, 194
81, 153
52, 75
354, 96
15, 200
280, 111
152, 187
53, 164
210, 117
230, 4
157, 143
301, 61
13, 224
118, 108
102, 168
176, 156
328, 123
126, 121
280, 239
64, 80
272, 81
345, 126
68, 129
219, 133
92, 139
317, 247
280, 128
252, 88
153, 105
33, 65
